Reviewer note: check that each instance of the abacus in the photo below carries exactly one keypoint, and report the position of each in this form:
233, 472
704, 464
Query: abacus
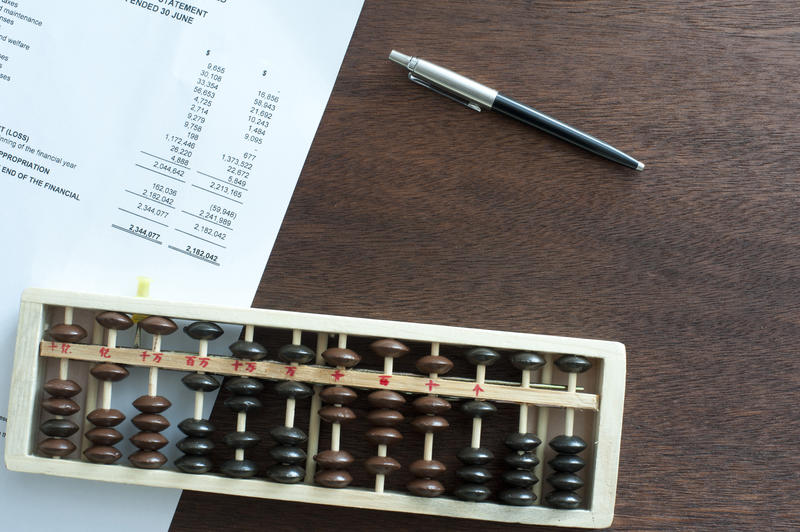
555, 464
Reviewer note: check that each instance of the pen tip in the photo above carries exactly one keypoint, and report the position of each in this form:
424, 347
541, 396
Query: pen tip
640, 166
400, 59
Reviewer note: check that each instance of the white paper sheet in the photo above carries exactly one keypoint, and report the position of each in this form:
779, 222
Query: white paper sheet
148, 138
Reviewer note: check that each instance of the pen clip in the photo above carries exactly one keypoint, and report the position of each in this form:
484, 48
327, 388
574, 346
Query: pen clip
441, 90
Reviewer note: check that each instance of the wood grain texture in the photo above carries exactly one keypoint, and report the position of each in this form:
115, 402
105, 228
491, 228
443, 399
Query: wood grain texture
413, 208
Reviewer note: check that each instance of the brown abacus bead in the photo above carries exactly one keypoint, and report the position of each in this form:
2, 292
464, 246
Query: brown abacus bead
381, 465
67, 333
425, 487
59, 428
148, 441
384, 417
147, 459
60, 406
340, 357
56, 447
150, 422
429, 424
383, 435
109, 372
106, 417
434, 364
114, 320
338, 395
431, 404
389, 348
336, 414
102, 454
62, 388
151, 404
333, 478
333, 459
427, 468
386, 399
103, 436
158, 325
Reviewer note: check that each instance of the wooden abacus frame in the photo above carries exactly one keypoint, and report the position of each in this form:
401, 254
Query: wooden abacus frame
31, 354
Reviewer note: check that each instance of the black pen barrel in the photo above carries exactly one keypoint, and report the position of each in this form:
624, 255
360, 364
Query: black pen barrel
532, 117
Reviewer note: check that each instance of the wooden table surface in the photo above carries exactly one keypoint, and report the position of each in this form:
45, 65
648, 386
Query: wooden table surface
413, 208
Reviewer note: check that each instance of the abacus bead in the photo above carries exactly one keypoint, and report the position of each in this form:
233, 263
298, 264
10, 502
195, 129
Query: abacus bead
425, 487
564, 500
196, 427
340, 357
248, 350
293, 390
103, 417
479, 409
59, 428
244, 386
114, 320
431, 404
527, 360
243, 403
386, 399
200, 382
384, 417
194, 464
482, 356
287, 454
147, 459
519, 478
149, 441
103, 454
109, 372
241, 440
434, 364
568, 444
334, 459
239, 468
67, 333
158, 325
520, 441
295, 353
429, 424
338, 395
62, 388
565, 481
60, 406
383, 435
333, 478
150, 422
569, 463
203, 330
427, 468
103, 436
198, 446
475, 456
381, 465
388, 348
56, 447
286, 474
151, 404
573, 364
517, 497
336, 414
474, 474
472, 492
288, 435
522, 461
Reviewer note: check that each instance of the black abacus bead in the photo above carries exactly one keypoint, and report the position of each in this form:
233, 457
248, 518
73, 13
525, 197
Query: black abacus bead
288, 435
243, 403
479, 409
564, 500
293, 390
565, 481
299, 354
59, 428
286, 454
482, 356
199, 428
473, 474
241, 440
239, 468
248, 350
472, 492
519, 478
196, 446
568, 463
520, 441
194, 464
200, 382
244, 386
527, 360
573, 364
475, 456
203, 330
568, 444
522, 461
286, 474
517, 497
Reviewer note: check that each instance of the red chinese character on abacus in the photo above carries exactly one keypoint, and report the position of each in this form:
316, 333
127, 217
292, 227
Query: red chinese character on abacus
65, 348
157, 357
104, 352
430, 384
53, 346
251, 367
144, 356
384, 380
204, 362
290, 370
190, 360
237, 365
337, 375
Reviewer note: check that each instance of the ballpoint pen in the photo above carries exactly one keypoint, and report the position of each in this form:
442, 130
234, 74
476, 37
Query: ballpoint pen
477, 97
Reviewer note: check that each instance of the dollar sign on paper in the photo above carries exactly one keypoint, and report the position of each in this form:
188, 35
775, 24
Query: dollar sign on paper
264, 73
208, 52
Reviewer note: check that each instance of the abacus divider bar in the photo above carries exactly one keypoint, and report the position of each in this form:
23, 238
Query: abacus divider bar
569, 414
313, 421
542, 420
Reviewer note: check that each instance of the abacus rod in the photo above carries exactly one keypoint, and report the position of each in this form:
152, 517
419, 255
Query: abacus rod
569, 415
542, 420
314, 421
427, 452
202, 352
476, 433
91, 392
523, 408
